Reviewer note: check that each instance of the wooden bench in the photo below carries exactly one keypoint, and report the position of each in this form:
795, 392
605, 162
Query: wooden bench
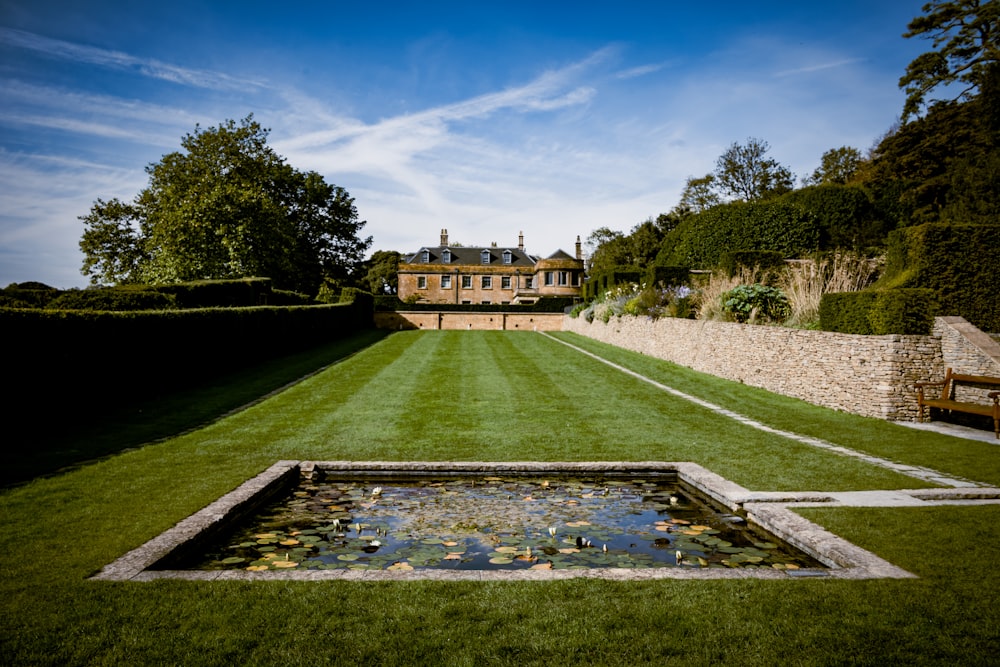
947, 402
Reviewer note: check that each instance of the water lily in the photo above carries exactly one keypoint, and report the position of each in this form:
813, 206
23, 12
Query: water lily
552, 531
377, 491
678, 556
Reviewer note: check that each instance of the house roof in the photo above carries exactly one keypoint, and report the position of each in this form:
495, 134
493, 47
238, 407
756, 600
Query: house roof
470, 256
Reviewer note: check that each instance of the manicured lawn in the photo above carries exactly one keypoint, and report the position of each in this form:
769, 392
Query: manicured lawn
501, 396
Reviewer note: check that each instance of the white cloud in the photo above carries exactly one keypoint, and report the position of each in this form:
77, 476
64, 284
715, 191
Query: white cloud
55, 48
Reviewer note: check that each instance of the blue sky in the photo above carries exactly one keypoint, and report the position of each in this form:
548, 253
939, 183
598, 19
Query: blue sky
487, 119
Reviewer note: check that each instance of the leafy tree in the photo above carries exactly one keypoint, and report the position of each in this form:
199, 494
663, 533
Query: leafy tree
744, 172
227, 206
699, 194
838, 165
381, 272
611, 248
966, 38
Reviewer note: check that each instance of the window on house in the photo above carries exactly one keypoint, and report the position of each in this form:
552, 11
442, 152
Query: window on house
466, 282
446, 256
421, 282
487, 282
508, 256
485, 256
505, 282
425, 256
445, 282
549, 278
529, 282
564, 278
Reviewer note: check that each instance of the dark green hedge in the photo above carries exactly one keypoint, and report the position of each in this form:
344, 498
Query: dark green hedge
961, 263
879, 312
701, 240
542, 305
62, 364
111, 298
670, 276
732, 262
846, 215
240, 293
600, 282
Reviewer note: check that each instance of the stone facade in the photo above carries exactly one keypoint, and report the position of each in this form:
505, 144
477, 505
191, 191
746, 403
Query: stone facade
866, 375
455, 274
462, 320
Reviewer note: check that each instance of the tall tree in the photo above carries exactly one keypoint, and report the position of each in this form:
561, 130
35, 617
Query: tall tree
966, 39
744, 172
837, 166
226, 206
699, 194
381, 272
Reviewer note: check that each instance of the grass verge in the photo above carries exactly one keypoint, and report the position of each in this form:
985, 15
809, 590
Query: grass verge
486, 395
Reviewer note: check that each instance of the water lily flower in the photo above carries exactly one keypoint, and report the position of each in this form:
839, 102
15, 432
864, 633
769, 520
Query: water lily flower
678, 556
377, 491
605, 548
673, 500
552, 531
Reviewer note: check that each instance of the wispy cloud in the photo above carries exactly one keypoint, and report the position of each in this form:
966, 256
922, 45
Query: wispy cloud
148, 67
816, 68
635, 72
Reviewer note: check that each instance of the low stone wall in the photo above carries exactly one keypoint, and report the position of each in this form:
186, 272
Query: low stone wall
865, 375
968, 350
421, 319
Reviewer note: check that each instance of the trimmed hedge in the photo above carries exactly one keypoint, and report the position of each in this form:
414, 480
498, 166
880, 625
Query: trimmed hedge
961, 263
732, 262
64, 364
701, 240
111, 298
601, 281
670, 276
879, 312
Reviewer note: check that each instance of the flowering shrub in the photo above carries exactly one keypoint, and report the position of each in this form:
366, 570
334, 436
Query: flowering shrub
641, 301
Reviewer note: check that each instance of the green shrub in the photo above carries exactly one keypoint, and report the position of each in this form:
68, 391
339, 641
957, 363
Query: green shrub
846, 215
960, 263
112, 299
701, 240
765, 260
879, 312
663, 274
754, 303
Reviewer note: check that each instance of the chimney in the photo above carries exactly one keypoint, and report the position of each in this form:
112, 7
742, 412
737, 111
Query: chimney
579, 250
444, 238
520, 241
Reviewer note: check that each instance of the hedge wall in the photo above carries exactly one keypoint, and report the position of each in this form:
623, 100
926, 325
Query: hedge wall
879, 312
62, 364
701, 240
961, 263
600, 282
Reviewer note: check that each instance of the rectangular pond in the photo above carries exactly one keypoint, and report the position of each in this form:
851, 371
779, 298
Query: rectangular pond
510, 520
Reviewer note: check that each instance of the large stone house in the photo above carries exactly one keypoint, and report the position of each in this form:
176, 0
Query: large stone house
492, 275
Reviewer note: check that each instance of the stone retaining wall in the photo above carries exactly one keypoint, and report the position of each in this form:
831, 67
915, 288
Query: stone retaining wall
865, 375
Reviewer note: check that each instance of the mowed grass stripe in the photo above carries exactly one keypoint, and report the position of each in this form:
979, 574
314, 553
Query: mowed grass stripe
458, 395
970, 459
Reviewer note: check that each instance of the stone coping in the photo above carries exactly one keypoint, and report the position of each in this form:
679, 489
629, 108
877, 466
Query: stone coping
843, 559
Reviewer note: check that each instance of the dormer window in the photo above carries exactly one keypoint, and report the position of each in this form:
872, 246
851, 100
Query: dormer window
485, 254
508, 257
425, 256
446, 256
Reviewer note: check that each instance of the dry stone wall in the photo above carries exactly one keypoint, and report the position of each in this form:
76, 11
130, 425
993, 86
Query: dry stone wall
865, 375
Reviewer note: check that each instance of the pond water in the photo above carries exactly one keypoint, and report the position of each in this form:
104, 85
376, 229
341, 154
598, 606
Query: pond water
495, 523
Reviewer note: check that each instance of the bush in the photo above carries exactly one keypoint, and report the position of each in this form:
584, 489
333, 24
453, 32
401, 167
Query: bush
753, 303
112, 299
879, 312
701, 240
959, 262
845, 213
768, 261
